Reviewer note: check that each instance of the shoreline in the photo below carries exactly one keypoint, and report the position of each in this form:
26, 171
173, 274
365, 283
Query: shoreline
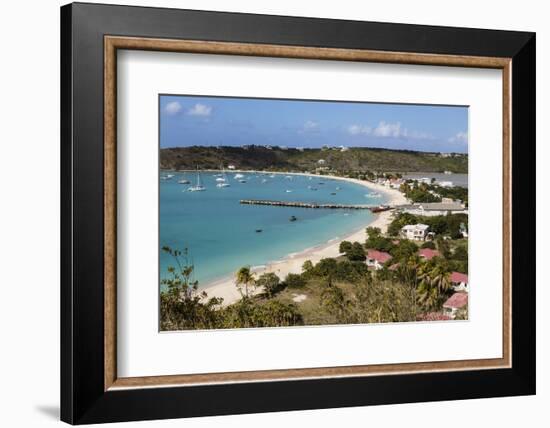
292, 263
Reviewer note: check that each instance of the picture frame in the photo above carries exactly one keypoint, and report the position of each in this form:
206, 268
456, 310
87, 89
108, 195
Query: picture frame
91, 391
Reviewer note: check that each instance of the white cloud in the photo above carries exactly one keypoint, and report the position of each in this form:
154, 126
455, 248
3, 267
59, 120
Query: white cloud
200, 110
388, 129
359, 129
459, 137
310, 125
173, 107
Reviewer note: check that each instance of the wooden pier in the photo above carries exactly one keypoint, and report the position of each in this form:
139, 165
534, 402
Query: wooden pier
313, 205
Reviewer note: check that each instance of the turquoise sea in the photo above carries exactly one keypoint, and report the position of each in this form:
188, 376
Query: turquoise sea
220, 233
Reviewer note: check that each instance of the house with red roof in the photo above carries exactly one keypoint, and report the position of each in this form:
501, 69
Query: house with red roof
459, 281
454, 303
376, 259
427, 253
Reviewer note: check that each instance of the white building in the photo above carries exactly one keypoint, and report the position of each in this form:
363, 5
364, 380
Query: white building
377, 259
321, 162
415, 232
230, 166
459, 281
434, 208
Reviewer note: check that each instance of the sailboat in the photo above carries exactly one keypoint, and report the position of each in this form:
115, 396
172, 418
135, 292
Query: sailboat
183, 180
222, 181
198, 187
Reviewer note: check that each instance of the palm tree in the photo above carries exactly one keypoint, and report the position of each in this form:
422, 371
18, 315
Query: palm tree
440, 279
434, 283
245, 277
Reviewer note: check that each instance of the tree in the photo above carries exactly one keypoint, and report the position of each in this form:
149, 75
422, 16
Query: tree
345, 246
443, 247
307, 266
460, 253
434, 284
428, 244
403, 250
269, 282
326, 268
294, 280
244, 277
356, 253
247, 314
182, 305
332, 299
373, 232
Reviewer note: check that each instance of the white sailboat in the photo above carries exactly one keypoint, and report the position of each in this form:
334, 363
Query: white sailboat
222, 181
199, 187
183, 180
220, 178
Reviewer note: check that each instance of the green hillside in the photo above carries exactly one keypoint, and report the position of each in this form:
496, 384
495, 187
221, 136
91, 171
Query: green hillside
279, 159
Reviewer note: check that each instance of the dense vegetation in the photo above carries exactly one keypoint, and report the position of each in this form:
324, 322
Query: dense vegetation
334, 291
354, 160
422, 192
450, 225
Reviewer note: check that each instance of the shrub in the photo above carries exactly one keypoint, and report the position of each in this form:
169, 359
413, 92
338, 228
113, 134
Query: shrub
356, 253
294, 280
270, 283
428, 244
345, 246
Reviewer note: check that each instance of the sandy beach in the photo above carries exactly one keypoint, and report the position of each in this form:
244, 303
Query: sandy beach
226, 289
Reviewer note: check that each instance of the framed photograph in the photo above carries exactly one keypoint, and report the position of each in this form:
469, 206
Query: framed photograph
267, 213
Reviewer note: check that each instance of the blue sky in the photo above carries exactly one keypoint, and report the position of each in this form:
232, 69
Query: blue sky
219, 121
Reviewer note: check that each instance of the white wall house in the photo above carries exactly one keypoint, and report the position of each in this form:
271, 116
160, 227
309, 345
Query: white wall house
415, 232
459, 281
376, 259
454, 303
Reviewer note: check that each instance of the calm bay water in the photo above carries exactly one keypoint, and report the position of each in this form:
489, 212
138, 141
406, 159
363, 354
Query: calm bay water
220, 233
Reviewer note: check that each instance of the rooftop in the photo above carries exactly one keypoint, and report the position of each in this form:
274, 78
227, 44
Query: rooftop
441, 206
428, 253
379, 256
459, 277
418, 226
456, 301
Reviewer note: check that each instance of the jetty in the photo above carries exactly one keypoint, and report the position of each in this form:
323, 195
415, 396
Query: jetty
313, 205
